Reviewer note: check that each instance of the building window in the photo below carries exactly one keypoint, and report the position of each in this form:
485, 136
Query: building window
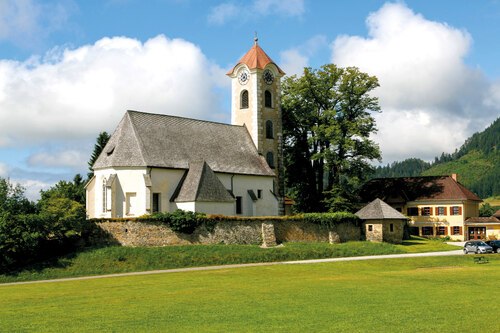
441, 231
456, 210
244, 99
239, 207
412, 211
457, 231
104, 195
441, 211
268, 99
370, 227
269, 130
427, 231
270, 159
391, 227
259, 194
156, 202
426, 211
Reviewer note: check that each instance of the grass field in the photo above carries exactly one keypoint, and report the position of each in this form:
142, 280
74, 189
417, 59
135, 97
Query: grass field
493, 201
126, 259
434, 294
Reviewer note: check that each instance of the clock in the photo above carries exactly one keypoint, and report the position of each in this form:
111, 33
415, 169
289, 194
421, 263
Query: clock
243, 76
268, 76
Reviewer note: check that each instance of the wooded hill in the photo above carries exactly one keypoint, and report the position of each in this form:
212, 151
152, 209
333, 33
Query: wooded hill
477, 163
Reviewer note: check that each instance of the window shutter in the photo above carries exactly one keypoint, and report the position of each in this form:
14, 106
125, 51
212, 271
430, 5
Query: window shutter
446, 231
460, 230
460, 210
436, 210
445, 211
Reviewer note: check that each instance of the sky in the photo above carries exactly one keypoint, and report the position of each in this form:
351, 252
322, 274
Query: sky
70, 69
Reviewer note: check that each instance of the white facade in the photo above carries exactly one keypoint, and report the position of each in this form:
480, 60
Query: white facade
130, 196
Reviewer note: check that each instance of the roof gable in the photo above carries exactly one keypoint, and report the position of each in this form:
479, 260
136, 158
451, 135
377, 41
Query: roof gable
201, 184
155, 140
379, 210
400, 190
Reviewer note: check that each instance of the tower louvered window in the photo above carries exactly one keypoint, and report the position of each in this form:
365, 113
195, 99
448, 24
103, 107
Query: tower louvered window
270, 159
269, 130
244, 99
268, 99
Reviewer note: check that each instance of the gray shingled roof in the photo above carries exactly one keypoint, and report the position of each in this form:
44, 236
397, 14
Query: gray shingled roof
201, 184
379, 210
155, 140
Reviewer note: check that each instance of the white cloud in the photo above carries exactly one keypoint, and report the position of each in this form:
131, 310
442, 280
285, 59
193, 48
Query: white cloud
222, 13
293, 60
32, 187
74, 94
422, 75
227, 11
68, 158
26, 22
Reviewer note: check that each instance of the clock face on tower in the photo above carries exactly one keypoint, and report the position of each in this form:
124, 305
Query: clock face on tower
243, 76
268, 76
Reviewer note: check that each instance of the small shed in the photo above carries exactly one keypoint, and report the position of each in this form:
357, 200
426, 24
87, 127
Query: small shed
381, 222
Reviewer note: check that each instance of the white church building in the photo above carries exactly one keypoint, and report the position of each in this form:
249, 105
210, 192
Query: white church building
160, 163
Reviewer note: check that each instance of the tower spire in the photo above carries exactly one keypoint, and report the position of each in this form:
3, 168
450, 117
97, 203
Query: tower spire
256, 39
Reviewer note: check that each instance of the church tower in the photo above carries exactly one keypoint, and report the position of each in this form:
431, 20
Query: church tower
256, 103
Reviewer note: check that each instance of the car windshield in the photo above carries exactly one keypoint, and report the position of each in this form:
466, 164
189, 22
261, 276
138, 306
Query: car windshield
482, 244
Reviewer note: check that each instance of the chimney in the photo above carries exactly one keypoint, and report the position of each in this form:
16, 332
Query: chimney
454, 176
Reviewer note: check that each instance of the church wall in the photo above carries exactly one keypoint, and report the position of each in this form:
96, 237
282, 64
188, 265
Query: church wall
267, 205
90, 202
164, 181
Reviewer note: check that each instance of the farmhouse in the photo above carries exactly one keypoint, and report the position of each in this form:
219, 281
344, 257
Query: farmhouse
160, 163
436, 206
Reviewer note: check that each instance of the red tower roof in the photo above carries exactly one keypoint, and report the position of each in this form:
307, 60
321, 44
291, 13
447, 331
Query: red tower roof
255, 58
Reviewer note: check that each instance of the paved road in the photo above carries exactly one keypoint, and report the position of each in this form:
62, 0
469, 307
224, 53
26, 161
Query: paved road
211, 268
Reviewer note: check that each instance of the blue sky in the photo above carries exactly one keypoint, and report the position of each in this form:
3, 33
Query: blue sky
69, 69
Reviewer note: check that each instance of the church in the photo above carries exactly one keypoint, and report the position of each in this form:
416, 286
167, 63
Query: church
160, 163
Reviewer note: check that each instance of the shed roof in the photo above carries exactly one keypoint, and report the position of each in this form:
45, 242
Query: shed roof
379, 210
157, 140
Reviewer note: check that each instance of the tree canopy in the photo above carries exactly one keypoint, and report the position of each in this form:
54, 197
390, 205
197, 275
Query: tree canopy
327, 124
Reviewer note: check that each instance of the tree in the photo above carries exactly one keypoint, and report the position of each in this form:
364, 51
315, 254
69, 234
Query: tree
12, 199
63, 189
486, 210
326, 126
102, 140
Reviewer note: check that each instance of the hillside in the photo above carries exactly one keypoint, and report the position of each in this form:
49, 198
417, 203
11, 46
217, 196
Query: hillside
477, 163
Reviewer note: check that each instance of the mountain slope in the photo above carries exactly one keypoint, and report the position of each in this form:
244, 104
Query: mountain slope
477, 163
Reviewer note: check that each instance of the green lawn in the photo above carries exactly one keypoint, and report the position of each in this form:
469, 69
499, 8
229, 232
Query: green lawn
118, 259
434, 294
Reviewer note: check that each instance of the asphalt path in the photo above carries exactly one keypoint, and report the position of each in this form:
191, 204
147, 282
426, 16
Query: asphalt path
219, 267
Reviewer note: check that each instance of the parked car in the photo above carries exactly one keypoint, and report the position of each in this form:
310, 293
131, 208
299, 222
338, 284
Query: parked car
495, 244
477, 246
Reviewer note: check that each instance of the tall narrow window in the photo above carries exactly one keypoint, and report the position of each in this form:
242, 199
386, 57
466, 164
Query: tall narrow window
244, 99
270, 159
156, 202
269, 130
104, 195
239, 208
268, 99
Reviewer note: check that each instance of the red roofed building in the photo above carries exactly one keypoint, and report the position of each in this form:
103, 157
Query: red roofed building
437, 206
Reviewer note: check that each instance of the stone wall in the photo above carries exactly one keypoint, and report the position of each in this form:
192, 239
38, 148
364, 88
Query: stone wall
381, 230
252, 231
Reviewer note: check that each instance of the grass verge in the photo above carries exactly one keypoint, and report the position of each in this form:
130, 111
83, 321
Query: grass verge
117, 259
434, 294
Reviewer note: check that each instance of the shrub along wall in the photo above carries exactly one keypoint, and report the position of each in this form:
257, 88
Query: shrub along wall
201, 229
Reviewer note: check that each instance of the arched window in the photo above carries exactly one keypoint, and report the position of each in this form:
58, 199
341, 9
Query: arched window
268, 99
244, 99
269, 130
270, 159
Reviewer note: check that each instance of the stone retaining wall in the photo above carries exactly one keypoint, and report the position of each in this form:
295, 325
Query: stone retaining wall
264, 232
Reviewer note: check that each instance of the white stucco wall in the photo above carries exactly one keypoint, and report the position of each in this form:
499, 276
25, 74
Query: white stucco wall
165, 182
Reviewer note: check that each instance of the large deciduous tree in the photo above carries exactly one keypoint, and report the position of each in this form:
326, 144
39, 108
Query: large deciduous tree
327, 124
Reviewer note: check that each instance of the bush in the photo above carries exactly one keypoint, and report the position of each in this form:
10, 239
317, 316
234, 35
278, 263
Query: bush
328, 220
180, 221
